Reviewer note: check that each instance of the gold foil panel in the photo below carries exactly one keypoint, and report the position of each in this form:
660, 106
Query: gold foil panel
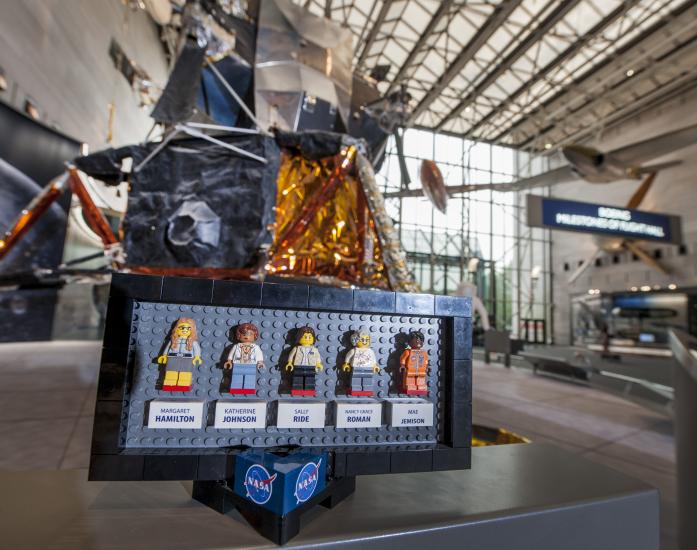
340, 239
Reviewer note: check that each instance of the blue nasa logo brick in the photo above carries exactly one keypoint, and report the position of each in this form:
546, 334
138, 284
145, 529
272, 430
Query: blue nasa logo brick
279, 483
307, 481
259, 484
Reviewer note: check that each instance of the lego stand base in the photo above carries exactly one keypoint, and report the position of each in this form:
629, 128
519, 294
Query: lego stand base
279, 529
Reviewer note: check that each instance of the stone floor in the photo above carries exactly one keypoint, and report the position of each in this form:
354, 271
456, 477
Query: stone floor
602, 427
47, 394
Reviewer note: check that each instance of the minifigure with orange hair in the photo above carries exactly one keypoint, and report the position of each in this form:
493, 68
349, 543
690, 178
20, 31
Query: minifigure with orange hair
244, 359
413, 364
180, 356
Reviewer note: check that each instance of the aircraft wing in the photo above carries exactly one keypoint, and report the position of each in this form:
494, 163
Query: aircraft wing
552, 177
655, 147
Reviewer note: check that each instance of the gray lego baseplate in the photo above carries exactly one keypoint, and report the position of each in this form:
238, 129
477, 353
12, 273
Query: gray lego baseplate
150, 328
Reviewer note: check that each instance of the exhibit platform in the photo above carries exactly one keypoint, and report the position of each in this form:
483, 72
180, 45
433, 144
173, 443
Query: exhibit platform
645, 380
534, 496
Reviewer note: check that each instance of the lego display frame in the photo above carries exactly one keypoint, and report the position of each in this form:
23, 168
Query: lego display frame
111, 460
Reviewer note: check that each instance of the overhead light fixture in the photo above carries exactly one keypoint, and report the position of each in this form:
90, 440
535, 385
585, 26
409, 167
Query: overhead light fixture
645, 288
3, 80
672, 286
630, 73
548, 146
634, 289
468, 109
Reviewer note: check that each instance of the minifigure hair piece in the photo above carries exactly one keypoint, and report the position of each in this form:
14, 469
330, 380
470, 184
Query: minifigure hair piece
302, 331
357, 334
246, 327
191, 338
418, 335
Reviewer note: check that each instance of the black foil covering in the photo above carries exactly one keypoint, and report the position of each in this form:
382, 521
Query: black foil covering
195, 204
178, 99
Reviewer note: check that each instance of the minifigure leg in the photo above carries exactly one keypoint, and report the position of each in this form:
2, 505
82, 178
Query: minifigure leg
237, 380
310, 380
250, 382
184, 380
367, 382
170, 381
297, 380
356, 383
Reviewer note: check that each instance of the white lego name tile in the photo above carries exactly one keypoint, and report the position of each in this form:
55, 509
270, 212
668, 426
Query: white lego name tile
410, 414
240, 415
358, 415
294, 414
185, 415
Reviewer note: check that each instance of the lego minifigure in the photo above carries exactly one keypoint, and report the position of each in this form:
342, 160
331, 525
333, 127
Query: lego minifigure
413, 364
362, 362
244, 359
304, 361
181, 354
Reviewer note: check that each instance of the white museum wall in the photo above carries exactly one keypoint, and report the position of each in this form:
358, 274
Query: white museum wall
674, 192
57, 54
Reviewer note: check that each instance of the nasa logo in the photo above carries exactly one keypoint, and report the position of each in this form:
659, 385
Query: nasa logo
307, 481
259, 484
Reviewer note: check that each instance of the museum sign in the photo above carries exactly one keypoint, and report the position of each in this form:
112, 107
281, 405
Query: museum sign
603, 219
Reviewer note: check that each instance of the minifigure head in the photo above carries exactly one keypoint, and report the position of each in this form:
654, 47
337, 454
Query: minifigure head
306, 336
416, 339
184, 328
246, 333
360, 338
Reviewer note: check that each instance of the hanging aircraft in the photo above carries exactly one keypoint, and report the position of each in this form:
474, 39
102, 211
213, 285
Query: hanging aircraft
590, 164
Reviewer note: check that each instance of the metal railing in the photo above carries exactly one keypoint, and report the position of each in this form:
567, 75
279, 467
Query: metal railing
684, 348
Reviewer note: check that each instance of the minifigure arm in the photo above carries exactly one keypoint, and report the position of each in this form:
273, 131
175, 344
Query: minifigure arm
196, 348
231, 356
291, 359
403, 359
259, 356
376, 367
347, 361
162, 359
234, 353
318, 363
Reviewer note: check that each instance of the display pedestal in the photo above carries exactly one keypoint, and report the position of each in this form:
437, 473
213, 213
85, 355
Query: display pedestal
277, 528
525, 497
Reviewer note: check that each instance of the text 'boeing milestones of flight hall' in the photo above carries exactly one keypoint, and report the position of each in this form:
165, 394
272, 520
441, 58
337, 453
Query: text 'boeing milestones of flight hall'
602, 219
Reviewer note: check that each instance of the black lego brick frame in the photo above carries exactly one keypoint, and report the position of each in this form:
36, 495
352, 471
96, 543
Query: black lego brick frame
110, 462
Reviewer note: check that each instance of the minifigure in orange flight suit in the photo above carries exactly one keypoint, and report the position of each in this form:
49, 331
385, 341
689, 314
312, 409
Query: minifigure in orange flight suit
413, 363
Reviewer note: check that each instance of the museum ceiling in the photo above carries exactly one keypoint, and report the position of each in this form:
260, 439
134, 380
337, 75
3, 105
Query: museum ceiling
533, 74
